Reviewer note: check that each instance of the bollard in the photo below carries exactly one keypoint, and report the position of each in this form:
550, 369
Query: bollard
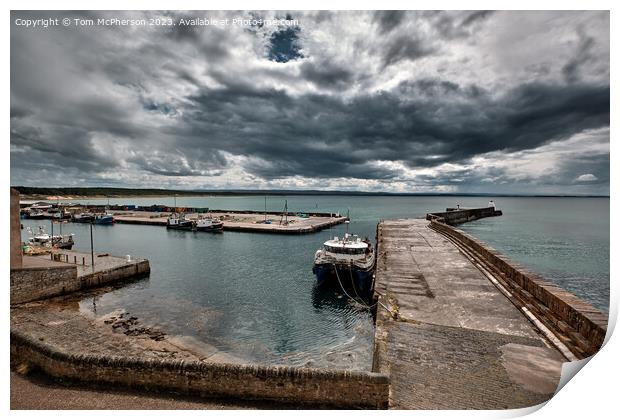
74, 259
83, 261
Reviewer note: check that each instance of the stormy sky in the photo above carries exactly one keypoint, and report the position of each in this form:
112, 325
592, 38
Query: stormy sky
469, 101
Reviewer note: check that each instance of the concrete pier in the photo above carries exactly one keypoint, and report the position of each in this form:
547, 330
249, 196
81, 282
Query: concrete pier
449, 338
242, 221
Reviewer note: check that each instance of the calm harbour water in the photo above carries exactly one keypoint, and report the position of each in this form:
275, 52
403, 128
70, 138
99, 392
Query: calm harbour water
253, 295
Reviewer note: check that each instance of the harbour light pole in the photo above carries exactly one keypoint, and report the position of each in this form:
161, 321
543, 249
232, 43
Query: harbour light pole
52, 238
92, 250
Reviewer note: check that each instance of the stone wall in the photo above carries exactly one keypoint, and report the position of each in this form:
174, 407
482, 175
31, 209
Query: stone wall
568, 311
16, 236
296, 385
28, 284
123, 272
455, 217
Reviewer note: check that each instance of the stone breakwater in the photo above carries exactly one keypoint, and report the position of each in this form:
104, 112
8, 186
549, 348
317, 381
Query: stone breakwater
446, 336
577, 324
454, 216
64, 345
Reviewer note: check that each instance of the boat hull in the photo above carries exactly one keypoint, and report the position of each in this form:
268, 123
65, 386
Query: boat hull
182, 226
83, 219
63, 245
36, 216
217, 227
104, 220
352, 278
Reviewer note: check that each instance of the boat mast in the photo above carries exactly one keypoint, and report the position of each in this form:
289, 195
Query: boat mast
284, 214
348, 221
265, 209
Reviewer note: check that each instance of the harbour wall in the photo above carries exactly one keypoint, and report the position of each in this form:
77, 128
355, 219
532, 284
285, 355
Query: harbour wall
578, 324
289, 230
200, 210
34, 283
300, 385
458, 216
128, 271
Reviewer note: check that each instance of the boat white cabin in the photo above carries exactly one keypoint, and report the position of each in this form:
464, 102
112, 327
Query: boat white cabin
351, 248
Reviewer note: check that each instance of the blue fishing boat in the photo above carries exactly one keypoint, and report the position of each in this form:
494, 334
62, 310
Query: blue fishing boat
347, 263
104, 219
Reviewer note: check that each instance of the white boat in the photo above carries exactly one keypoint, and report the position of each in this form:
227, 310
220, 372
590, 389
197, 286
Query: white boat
42, 238
208, 224
348, 262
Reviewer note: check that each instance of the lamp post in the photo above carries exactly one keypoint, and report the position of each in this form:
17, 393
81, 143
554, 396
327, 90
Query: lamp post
92, 251
52, 239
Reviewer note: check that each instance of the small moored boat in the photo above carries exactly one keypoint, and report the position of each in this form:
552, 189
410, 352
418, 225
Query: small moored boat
179, 222
44, 239
35, 214
83, 218
104, 219
208, 224
348, 263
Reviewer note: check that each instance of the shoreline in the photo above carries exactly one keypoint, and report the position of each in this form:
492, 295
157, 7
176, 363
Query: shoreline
43, 197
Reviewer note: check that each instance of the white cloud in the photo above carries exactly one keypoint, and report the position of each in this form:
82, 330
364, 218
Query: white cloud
586, 178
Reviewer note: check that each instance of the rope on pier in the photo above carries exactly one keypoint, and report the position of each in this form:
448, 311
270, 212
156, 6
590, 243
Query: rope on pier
352, 298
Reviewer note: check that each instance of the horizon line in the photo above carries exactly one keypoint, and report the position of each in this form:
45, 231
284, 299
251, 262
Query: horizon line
77, 190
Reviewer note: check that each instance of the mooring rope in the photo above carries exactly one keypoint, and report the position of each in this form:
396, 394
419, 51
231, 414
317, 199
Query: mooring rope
363, 304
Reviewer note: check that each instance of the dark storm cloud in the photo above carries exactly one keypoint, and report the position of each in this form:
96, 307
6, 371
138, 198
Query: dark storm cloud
326, 74
449, 25
388, 20
406, 47
571, 70
172, 165
476, 16
434, 118
176, 104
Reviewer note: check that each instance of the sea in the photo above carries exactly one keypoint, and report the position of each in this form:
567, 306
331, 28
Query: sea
253, 296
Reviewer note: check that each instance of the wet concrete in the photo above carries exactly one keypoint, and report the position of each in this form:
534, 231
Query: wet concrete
451, 339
